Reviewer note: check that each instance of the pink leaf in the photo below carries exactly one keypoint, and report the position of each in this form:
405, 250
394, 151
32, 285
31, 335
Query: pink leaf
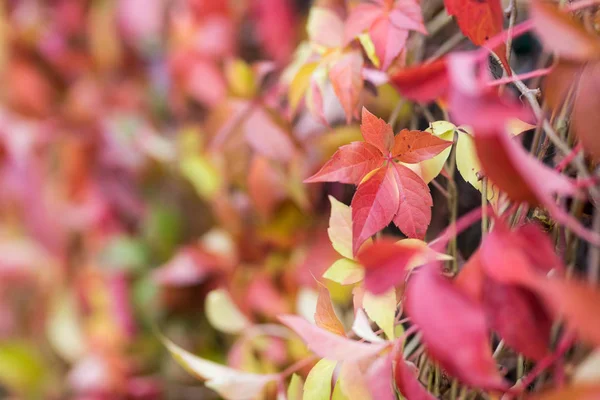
414, 209
329, 345
453, 328
377, 132
267, 137
385, 264
349, 164
415, 146
374, 205
346, 78
379, 379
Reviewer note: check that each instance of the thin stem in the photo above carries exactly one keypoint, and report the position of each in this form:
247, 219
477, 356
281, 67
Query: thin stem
521, 77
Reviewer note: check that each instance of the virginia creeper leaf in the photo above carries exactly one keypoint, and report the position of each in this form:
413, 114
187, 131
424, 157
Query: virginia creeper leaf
325, 316
415, 146
329, 345
414, 210
377, 132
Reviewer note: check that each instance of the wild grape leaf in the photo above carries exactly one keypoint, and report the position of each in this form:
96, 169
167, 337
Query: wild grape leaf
340, 228
423, 83
412, 147
387, 23
560, 33
351, 383
381, 309
349, 164
329, 345
479, 20
223, 314
374, 205
519, 317
325, 316
229, 383
268, 137
377, 132
380, 378
318, 381
414, 209
362, 327
453, 328
521, 176
385, 263
575, 302
346, 78
585, 118
406, 377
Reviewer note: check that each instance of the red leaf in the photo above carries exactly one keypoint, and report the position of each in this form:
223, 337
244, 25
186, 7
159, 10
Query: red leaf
374, 205
479, 20
586, 117
423, 83
377, 132
519, 317
453, 328
349, 164
388, 25
516, 172
577, 303
329, 345
325, 316
414, 210
415, 146
347, 81
470, 278
385, 262
406, 377
560, 33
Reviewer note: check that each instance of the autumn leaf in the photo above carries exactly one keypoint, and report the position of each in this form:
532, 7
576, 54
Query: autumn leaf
349, 164
406, 377
380, 378
347, 81
451, 323
423, 83
479, 20
385, 263
329, 345
415, 146
318, 381
325, 316
414, 209
374, 205
388, 24
229, 383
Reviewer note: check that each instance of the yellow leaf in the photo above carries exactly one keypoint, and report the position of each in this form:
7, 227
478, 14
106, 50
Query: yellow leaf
431, 168
369, 47
318, 381
345, 272
468, 163
340, 227
382, 310
299, 85
295, 388
64, 331
241, 78
202, 174
223, 314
